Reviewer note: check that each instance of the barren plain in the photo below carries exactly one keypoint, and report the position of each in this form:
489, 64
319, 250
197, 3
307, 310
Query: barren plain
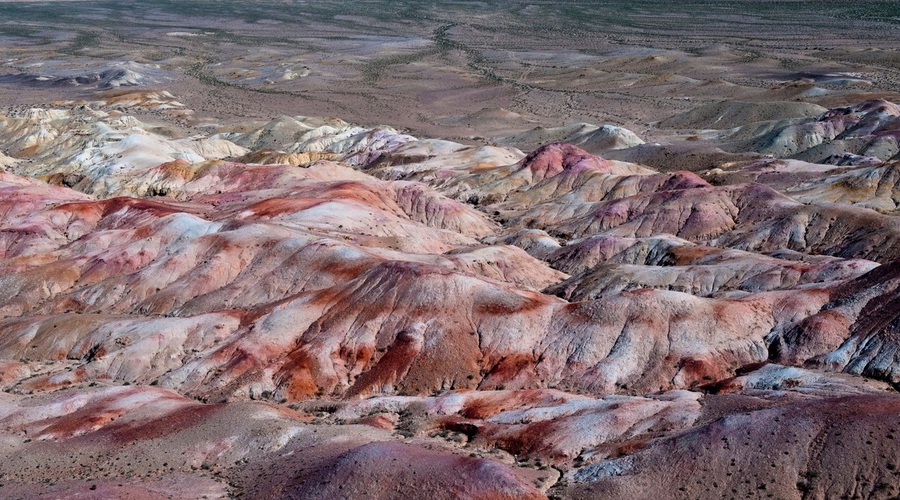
285, 249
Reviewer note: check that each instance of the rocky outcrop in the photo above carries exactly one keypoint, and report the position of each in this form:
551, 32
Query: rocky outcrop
855, 332
790, 450
867, 129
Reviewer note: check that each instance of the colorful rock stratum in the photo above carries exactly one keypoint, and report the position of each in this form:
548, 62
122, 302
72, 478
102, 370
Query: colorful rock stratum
301, 307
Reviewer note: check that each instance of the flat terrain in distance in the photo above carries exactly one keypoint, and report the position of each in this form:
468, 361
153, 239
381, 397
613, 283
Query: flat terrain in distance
461, 69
